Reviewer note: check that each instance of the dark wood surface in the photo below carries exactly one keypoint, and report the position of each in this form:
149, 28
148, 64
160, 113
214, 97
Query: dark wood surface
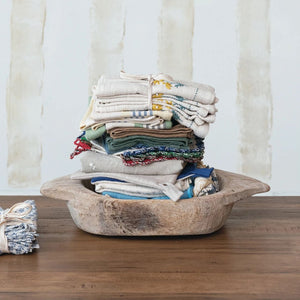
256, 255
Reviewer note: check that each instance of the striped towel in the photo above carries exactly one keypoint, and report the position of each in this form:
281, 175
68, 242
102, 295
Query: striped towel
95, 119
190, 104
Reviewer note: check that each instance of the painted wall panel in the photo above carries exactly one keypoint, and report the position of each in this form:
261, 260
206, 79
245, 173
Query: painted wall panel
175, 38
5, 11
141, 36
23, 98
254, 97
65, 93
215, 58
107, 29
285, 79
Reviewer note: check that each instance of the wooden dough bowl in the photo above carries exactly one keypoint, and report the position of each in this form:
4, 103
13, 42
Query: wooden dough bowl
104, 215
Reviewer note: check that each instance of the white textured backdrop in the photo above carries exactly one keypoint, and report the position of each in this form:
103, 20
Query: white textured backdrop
52, 51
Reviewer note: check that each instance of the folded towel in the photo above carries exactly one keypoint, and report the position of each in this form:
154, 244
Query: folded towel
186, 195
164, 183
163, 125
149, 121
126, 188
191, 104
160, 102
97, 162
155, 123
115, 145
160, 157
176, 131
91, 134
191, 170
146, 155
99, 118
98, 130
120, 115
161, 84
189, 118
181, 184
18, 226
95, 179
206, 186
201, 186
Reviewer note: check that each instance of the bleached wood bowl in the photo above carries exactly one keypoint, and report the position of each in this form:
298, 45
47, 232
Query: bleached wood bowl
104, 215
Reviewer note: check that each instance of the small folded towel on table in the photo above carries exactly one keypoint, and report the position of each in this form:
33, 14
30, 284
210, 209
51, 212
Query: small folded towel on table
18, 226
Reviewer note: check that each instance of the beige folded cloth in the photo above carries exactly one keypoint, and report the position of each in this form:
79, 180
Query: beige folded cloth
191, 104
136, 190
98, 162
160, 84
176, 131
93, 118
164, 183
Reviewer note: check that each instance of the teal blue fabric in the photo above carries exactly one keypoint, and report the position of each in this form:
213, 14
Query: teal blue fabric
186, 194
91, 134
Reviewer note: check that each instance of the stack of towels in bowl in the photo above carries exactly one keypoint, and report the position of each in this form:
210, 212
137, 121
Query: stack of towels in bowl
143, 138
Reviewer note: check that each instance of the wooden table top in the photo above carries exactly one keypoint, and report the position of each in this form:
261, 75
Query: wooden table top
256, 255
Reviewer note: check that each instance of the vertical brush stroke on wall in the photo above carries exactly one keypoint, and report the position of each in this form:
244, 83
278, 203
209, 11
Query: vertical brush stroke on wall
254, 97
175, 39
23, 102
107, 29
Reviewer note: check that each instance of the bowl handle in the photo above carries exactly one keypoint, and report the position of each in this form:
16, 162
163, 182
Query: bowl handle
65, 188
236, 187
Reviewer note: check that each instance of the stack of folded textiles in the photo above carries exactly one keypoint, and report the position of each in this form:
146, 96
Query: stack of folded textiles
143, 138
